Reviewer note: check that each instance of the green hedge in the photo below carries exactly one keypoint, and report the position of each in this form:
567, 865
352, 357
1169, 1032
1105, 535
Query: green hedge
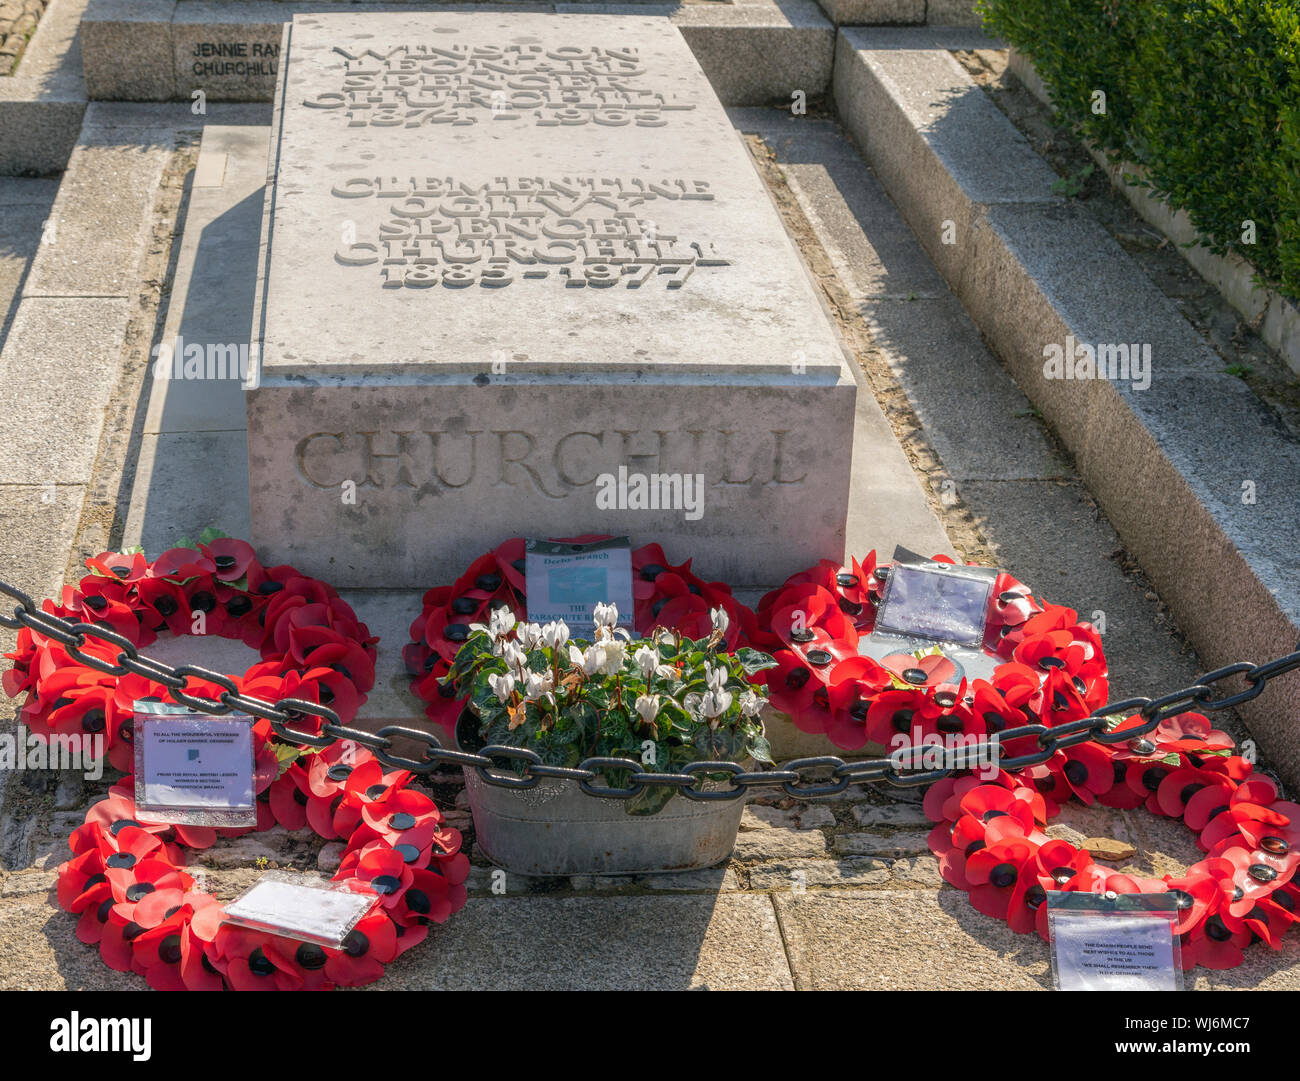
1204, 93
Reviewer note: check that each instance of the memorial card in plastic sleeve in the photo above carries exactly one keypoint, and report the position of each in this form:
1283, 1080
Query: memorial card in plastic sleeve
567, 581
1114, 942
942, 602
296, 907
192, 769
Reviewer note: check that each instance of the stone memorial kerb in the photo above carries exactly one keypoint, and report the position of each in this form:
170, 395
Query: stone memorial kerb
507, 256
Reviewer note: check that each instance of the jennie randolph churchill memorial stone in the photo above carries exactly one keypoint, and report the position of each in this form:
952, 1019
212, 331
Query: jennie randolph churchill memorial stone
521, 277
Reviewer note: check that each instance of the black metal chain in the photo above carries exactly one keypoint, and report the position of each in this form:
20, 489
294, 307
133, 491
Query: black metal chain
798, 778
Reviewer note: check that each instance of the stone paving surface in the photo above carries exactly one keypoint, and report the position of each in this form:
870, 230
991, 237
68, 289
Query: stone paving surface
835, 893
18, 19
24, 208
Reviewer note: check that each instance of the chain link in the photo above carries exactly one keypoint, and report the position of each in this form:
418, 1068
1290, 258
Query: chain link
803, 778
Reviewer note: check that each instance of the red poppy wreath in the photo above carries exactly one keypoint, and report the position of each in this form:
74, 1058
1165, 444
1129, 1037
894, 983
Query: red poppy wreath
668, 595
125, 880
1053, 667
990, 840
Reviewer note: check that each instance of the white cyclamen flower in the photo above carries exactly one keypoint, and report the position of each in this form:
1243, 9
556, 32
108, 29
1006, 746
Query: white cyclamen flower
751, 704
529, 635
501, 622
715, 703
498, 625
554, 635
716, 678
589, 662
647, 705
718, 617
513, 655
647, 660
502, 686
538, 685
605, 615
615, 653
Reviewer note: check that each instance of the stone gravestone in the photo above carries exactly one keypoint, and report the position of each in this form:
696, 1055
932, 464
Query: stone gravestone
520, 277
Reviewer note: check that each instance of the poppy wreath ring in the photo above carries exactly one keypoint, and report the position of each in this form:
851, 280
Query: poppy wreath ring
1053, 669
312, 645
664, 594
126, 880
990, 840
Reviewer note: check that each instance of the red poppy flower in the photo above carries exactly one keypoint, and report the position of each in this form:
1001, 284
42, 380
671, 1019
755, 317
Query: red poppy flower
370, 945
120, 566
174, 957
383, 872
1002, 875
288, 797
430, 898
254, 961
179, 564
231, 558
404, 820
928, 671
163, 601
850, 687
791, 688
909, 713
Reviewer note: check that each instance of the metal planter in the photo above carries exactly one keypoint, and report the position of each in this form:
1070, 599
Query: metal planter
557, 829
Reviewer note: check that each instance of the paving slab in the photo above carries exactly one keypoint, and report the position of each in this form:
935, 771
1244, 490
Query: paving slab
874, 251
724, 942
39, 951
952, 13
753, 52
58, 365
975, 417
24, 206
34, 520
904, 940
794, 875
114, 30
100, 218
209, 305
184, 482
389, 614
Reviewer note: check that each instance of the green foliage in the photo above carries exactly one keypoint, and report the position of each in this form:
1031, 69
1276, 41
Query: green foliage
1204, 93
664, 701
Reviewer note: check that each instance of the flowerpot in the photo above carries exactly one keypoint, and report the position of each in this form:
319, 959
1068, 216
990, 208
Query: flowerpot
557, 829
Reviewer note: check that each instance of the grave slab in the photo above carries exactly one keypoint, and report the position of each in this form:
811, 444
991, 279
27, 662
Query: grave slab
506, 257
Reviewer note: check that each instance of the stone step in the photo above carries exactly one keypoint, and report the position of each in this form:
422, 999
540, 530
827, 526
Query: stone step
42, 102
1196, 474
752, 53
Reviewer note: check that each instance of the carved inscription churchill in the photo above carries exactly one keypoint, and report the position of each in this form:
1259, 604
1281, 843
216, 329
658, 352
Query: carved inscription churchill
508, 258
